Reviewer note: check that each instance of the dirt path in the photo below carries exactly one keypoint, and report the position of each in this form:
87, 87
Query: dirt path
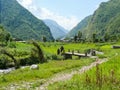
67, 76
56, 78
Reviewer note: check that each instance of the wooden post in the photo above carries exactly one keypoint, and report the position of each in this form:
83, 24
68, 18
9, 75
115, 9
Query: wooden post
79, 57
67, 56
68, 50
72, 51
86, 54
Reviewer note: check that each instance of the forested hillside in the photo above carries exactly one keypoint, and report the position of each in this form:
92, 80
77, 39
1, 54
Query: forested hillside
103, 25
105, 22
21, 23
80, 27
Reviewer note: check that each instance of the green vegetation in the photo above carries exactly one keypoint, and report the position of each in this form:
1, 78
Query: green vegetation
105, 21
79, 27
55, 63
21, 23
102, 77
4, 36
27, 53
104, 24
22, 54
46, 71
37, 53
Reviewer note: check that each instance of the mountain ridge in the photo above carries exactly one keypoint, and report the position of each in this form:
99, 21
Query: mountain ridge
104, 23
101, 19
21, 23
56, 30
79, 27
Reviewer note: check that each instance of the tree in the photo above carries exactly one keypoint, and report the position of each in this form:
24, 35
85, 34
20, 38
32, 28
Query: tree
94, 37
7, 38
79, 34
44, 39
4, 35
106, 37
75, 38
38, 51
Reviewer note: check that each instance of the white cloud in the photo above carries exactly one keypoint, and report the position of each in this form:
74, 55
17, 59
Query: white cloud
66, 22
28, 4
43, 13
25, 3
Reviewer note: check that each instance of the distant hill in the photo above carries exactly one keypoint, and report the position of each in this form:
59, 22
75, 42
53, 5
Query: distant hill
79, 27
56, 30
21, 23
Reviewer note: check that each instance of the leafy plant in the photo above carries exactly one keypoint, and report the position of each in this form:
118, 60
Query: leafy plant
37, 52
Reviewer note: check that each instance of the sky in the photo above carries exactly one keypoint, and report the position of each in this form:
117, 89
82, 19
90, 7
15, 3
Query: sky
67, 13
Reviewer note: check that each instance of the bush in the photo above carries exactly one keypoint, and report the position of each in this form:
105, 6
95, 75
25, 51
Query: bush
56, 57
21, 53
48, 56
4, 62
28, 61
37, 53
12, 45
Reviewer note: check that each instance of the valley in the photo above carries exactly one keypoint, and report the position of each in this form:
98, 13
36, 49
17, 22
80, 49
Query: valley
38, 53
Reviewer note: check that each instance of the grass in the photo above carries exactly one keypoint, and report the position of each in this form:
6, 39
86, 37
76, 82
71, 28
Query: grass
23, 50
52, 47
103, 77
46, 70
54, 66
49, 47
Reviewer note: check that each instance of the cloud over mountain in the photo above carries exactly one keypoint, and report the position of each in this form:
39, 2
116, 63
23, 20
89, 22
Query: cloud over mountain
67, 22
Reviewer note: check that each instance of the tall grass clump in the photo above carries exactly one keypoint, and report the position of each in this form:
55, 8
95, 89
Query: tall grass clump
37, 53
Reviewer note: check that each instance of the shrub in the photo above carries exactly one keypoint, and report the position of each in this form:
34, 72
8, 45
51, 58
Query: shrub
3, 62
56, 57
37, 53
8, 54
28, 61
48, 56
12, 45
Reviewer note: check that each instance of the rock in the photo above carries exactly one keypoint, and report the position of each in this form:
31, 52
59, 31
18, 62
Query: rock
100, 53
34, 67
6, 71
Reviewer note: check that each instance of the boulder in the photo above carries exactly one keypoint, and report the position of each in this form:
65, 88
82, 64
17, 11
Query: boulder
34, 67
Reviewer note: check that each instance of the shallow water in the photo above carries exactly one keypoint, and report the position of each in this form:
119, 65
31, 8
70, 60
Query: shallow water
5, 71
